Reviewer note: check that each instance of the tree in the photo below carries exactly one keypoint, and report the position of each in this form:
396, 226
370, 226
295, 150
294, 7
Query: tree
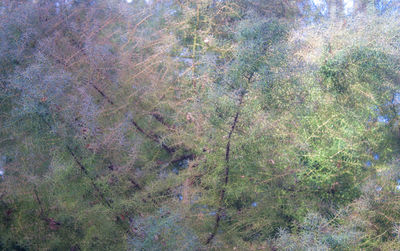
231, 122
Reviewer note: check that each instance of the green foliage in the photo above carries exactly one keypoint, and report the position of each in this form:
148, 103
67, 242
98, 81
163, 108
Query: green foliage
365, 66
316, 233
193, 125
163, 231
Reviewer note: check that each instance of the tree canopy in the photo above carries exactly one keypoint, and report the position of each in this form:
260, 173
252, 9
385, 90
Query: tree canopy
199, 125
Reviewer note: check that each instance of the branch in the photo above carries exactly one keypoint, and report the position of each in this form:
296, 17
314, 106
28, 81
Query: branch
157, 116
227, 167
154, 137
84, 170
102, 93
52, 223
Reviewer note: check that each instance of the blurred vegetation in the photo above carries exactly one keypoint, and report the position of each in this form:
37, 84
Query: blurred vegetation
199, 125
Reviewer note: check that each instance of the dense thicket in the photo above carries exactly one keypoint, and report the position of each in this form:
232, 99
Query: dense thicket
196, 125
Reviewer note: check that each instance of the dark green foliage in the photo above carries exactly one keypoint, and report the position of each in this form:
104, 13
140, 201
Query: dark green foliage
360, 65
